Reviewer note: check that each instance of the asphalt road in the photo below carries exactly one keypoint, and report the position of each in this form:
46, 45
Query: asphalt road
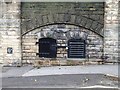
58, 81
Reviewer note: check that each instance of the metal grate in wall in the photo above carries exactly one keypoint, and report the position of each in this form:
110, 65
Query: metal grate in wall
76, 48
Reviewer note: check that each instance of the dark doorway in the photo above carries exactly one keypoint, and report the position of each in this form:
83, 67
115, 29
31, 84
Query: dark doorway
47, 48
76, 48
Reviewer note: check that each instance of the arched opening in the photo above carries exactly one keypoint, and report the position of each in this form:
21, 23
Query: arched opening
62, 24
47, 48
57, 41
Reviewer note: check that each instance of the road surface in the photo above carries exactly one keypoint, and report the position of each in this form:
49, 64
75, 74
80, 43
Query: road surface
59, 81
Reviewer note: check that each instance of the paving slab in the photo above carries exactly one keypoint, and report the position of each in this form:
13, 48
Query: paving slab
86, 69
15, 71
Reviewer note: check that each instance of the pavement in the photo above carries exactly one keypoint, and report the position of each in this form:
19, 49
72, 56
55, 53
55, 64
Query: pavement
15, 71
87, 69
88, 76
28, 70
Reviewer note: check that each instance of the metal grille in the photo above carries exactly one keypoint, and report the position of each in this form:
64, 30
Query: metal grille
76, 48
47, 48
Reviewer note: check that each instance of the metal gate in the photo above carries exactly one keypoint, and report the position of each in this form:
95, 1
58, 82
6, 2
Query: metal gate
76, 48
47, 48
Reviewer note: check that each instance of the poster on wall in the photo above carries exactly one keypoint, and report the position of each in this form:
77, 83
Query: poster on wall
9, 50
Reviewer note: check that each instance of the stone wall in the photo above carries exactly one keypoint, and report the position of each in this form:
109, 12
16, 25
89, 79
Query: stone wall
94, 46
111, 30
10, 29
119, 33
29, 48
86, 15
89, 15
10, 34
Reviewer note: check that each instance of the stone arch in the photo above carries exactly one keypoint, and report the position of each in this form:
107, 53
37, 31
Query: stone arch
54, 14
63, 18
